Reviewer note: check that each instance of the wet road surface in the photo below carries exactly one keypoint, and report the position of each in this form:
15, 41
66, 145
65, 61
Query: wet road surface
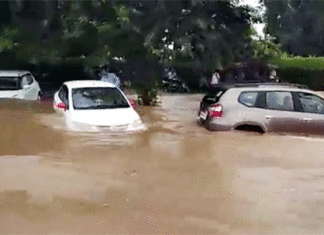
175, 178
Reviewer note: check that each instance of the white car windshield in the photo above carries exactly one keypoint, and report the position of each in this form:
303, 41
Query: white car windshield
10, 83
98, 98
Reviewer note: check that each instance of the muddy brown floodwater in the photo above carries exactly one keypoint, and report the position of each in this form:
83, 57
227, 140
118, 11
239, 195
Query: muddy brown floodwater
175, 178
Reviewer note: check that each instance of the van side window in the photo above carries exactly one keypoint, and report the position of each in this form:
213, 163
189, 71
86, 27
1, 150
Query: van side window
311, 103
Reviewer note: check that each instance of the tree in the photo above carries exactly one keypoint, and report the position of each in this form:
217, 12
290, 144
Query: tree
296, 24
194, 33
61, 29
188, 33
38, 27
266, 48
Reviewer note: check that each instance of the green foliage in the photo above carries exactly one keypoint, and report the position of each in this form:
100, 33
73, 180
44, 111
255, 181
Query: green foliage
145, 75
8, 35
297, 25
266, 49
302, 70
309, 63
310, 77
147, 96
193, 34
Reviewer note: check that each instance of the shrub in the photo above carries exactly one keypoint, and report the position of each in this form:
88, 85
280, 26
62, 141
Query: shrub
308, 71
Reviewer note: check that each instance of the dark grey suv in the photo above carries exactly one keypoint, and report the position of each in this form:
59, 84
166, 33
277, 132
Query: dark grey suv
263, 108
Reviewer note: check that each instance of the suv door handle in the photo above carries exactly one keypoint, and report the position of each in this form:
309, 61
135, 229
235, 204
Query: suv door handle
268, 117
307, 119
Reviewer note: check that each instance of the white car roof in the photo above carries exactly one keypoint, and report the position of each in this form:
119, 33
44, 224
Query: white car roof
12, 73
87, 83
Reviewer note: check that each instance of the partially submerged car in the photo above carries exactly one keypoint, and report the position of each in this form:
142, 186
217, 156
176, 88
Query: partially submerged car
287, 108
18, 84
96, 106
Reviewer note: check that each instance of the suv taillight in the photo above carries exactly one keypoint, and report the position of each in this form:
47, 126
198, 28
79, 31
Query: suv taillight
215, 111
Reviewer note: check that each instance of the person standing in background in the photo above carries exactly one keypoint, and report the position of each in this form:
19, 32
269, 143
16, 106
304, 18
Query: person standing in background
107, 76
215, 78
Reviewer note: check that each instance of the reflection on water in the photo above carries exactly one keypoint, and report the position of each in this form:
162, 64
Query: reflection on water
174, 178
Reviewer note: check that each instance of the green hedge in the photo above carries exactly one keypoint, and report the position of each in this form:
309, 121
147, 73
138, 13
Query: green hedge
308, 71
312, 78
312, 63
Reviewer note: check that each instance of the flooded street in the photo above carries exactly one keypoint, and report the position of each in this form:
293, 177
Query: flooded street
174, 178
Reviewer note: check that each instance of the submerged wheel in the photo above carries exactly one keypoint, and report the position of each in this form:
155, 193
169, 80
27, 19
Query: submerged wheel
250, 128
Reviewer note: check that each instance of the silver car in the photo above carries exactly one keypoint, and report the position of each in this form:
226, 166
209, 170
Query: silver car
263, 108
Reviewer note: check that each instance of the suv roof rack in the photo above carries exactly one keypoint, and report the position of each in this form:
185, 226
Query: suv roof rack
300, 86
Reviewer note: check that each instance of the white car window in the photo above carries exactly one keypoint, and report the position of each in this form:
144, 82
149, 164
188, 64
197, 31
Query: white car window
248, 98
98, 98
311, 103
279, 100
26, 80
29, 79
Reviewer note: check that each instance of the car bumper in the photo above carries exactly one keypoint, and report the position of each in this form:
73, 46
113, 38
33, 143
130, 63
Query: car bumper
218, 127
214, 125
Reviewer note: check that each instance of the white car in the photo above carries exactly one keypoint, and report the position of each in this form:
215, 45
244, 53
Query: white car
18, 85
96, 106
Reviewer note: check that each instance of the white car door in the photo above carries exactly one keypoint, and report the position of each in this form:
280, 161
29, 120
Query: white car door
312, 112
281, 114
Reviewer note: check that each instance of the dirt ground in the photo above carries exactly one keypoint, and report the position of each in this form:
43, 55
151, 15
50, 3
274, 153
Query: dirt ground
175, 178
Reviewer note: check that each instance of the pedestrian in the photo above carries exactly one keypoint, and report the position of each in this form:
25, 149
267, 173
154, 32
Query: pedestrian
108, 76
215, 78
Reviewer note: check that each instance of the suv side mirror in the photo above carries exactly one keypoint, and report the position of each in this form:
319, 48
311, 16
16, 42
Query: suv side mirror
62, 106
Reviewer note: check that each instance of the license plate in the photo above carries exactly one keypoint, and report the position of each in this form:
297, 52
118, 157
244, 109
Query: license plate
203, 115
